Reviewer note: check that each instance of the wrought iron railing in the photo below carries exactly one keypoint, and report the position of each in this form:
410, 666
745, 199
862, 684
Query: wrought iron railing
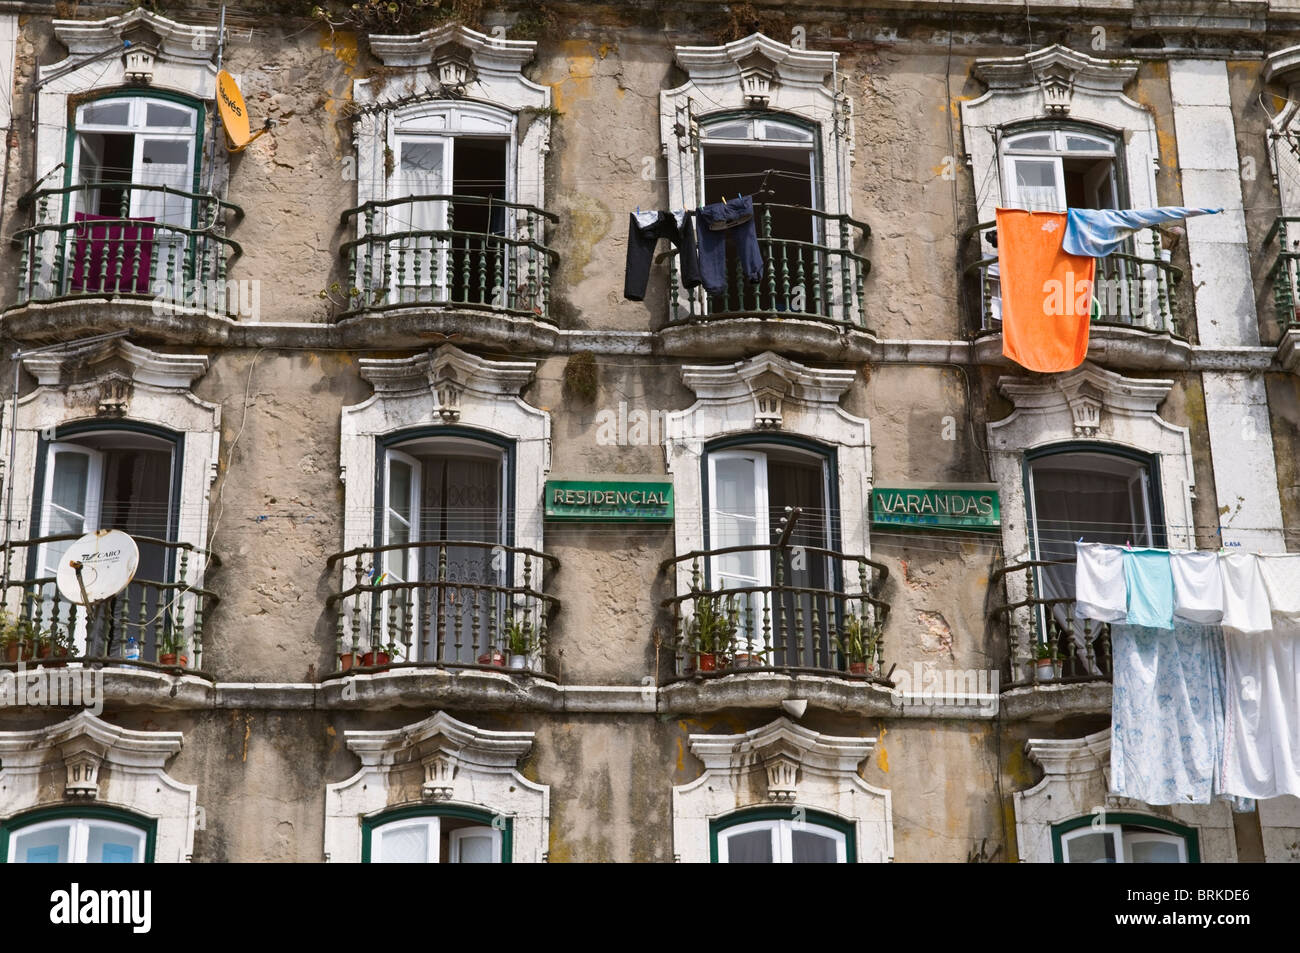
826, 621
67, 253
503, 266
151, 622
1285, 273
818, 277
1128, 290
473, 604
1047, 642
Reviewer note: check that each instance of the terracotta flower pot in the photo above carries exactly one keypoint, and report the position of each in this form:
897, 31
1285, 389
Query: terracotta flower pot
492, 658
857, 668
11, 651
349, 660
167, 658
746, 660
708, 662
375, 659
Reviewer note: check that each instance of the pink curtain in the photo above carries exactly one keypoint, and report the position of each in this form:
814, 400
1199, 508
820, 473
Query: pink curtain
129, 251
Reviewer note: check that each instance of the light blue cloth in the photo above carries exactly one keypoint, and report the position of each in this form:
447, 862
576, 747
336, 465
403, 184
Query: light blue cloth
1096, 232
1167, 713
1150, 581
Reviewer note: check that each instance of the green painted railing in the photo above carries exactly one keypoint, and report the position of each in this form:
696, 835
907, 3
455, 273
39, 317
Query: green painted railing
1046, 641
505, 268
459, 609
818, 278
1128, 290
67, 256
1285, 273
164, 616
785, 625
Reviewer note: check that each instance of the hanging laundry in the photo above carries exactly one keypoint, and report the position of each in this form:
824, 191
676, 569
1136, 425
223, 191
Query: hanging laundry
1245, 600
1281, 575
1099, 232
1167, 713
644, 230
1150, 588
1046, 293
1262, 734
717, 223
1100, 591
1198, 590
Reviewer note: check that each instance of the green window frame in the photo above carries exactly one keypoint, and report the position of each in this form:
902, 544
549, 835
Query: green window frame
1161, 825
14, 825
840, 825
461, 812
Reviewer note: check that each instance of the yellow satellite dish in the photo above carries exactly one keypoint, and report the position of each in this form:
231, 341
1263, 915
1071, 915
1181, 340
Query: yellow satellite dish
234, 113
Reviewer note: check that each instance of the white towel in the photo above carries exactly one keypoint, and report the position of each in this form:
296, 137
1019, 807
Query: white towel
1245, 601
1261, 747
1198, 590
1282, 583
1099, 588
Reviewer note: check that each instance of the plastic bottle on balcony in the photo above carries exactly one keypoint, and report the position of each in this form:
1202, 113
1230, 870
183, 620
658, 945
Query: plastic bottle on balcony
132, 649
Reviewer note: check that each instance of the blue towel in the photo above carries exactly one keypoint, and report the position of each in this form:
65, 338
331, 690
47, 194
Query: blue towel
1150, 581
1098, 232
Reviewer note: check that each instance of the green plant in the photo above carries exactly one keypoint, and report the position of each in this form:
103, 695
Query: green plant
712, 628
172, 641
394, 651
518, 634
1045, 651
857, 639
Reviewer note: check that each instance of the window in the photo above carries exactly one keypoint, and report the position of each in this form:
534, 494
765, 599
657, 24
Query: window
1059, 168
130, 157
766, 837
1085, 841
107, 837
453, 836
106, 479
753, 492
1096, 496
446, 515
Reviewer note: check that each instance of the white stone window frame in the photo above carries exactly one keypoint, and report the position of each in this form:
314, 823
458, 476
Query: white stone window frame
438, 762
1048, 87
446, 387
184, 63
412, 95
759, 397
764, 79
1076, 783
104, 765
787, 765
1086, 406
142, 386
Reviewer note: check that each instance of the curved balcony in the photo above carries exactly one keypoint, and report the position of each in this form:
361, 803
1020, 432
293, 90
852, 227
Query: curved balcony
809, 298
1285, 278
819, 614
165, 272
1047, 644
474, 605
159, 619
469, 257
1134, 319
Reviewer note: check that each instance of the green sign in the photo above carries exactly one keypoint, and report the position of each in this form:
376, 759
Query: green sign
969, 506
610, 501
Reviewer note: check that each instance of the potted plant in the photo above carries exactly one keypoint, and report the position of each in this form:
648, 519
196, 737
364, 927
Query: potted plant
54, 642
857, 642
10, 646
1045, 654
171, 649
519, 641
711, 632
20, 640
493, 657
383, 655
349, 660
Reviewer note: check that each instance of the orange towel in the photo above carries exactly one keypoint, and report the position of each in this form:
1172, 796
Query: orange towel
1046, 294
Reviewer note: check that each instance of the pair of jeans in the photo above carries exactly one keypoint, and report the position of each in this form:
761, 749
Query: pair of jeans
719, 222
641, 242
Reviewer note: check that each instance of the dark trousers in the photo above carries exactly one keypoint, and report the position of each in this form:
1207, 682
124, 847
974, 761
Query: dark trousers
719, 222
641, 244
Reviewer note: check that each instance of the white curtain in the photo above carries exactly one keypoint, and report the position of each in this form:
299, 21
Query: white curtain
418, 265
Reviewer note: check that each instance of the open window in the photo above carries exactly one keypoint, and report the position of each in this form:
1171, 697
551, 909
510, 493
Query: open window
1052, 169
436, 839
445, 524
111, 479
133, 170
1128, 843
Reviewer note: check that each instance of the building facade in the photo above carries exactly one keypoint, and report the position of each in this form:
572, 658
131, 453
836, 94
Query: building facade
467, 534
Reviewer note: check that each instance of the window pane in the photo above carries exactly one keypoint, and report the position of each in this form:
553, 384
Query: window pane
399, 492
734, 491
812, 848
71, 471
157, 115
113, 113
1098, 848
404, 845
783, 133
1035, 182
1152, 849
727, 130
1038, 143
48, 845
751, 847
422, 159
111, 846
1086, 144
475, 849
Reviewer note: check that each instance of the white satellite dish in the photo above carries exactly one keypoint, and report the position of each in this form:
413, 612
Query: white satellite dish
107, 559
